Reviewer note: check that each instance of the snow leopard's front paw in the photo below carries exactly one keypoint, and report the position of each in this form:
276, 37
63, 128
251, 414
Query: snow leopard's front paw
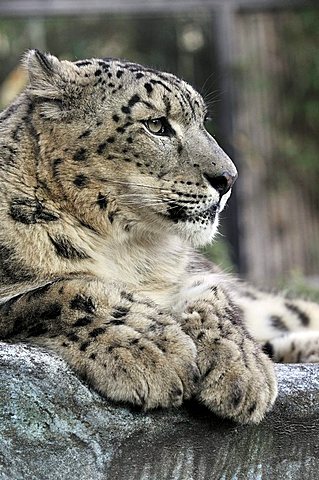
148, 362
240, 383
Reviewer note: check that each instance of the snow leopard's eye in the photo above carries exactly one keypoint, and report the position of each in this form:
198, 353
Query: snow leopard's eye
158, 126
155, 126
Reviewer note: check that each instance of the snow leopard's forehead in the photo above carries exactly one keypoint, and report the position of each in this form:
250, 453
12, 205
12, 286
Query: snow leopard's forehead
119, 76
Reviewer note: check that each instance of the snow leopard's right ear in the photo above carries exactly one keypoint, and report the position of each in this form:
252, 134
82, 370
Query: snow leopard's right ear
49, 77
53, 82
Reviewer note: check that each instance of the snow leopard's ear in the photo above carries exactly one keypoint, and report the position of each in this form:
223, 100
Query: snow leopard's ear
51, 80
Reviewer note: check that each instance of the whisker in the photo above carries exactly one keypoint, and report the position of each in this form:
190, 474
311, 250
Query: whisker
202, 89
147, 205
135, 194
145, 201
130, 184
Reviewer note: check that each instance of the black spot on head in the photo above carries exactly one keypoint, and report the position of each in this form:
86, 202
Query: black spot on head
148, 87
101, 148
92, 356
116, 118
119, 73
159, 82
102, 201
85, 134
126, 109
81, 181
135, 99
139, 75
120, 129
81, 302
83, 63
98, 73
129, 140
110, 140
80, 155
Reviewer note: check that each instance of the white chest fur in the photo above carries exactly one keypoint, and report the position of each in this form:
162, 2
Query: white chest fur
154, 267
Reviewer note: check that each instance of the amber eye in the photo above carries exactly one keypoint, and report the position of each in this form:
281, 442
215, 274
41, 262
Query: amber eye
159, 126
155, 125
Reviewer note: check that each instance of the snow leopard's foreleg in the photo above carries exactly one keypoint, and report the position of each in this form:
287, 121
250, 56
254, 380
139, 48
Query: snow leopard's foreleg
237, 378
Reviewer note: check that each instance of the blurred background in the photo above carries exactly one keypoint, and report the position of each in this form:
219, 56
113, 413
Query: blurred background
256, 62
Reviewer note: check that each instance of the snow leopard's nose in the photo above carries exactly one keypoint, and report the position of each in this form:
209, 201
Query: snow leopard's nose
222, 183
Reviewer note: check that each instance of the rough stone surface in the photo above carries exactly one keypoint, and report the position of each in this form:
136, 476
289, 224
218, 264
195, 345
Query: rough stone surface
52, 427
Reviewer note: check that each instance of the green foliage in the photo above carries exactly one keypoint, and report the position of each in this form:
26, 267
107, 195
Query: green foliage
219, 253
299, 287
300, 93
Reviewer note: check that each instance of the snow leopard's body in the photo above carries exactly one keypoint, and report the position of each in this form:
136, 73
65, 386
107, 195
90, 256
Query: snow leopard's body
108, 177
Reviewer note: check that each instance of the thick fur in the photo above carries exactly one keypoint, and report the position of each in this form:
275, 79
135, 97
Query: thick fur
100, 216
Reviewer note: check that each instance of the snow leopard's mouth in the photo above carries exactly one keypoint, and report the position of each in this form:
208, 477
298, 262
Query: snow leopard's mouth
181, 213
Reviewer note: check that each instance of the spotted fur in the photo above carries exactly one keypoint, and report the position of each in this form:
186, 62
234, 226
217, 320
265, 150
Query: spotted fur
108, 182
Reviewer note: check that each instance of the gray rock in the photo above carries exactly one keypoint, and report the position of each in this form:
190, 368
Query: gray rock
52, 426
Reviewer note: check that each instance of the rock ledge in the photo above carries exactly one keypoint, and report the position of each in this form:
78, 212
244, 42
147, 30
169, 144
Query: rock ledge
52, 427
